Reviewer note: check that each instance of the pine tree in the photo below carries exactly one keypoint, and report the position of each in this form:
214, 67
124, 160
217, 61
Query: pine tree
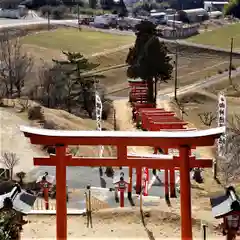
149, 59
77, 84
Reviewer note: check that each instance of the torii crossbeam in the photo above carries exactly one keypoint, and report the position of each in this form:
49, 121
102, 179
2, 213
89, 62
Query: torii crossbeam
181, 140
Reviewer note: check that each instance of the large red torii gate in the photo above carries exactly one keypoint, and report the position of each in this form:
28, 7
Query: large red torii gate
181, 140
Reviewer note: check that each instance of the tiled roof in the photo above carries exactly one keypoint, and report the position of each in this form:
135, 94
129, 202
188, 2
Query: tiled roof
225, 204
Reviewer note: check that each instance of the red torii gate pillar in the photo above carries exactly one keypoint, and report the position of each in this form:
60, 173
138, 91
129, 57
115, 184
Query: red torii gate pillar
169, 175
61, 193
181, 140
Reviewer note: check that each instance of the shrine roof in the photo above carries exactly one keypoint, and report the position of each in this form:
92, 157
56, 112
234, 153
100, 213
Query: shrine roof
124, 134
225, 204
22, 201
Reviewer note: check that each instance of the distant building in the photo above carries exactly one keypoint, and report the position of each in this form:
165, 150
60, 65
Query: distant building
215, 14
193, 15
214, 6
158, 17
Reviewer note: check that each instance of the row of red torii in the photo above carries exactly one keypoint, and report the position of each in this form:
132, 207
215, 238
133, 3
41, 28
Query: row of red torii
151, 119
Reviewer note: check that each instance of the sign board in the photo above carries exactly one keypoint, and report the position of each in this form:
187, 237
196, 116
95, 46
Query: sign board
221, 121
99, 107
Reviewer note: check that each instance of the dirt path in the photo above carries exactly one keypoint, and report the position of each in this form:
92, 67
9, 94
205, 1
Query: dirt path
13, 140
124, 122
197, 85
119, 224
109, 51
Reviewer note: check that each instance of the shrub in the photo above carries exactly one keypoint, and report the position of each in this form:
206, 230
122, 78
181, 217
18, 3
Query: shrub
45, 10
49, 125
35, 113
233, 67
9, 225
58, 12
90, 11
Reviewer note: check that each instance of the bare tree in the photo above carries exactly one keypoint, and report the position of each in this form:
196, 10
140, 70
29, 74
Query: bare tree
15, 65
207, 118
229, 164
180, 105
9, 160
47, 84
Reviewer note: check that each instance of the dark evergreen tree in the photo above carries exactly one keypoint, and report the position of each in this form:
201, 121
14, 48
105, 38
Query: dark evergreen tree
233, 8
92, 3
149, 59
107, 4
78, 85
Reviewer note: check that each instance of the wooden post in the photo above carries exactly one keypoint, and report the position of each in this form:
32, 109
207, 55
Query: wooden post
166, 184
90, 204
185, 186
130, 183
141, 201
204, 230
87, 210
172, 184
166, 178
230, 63
61, 195
138, 180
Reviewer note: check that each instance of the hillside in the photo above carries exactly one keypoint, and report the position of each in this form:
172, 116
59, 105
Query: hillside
11, 119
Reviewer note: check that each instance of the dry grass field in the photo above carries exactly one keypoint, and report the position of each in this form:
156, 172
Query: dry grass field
220, 37
158, 223
205, 100
85, 41
109, 50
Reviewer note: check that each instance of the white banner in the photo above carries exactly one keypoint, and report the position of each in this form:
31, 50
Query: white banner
221, 121
99, 107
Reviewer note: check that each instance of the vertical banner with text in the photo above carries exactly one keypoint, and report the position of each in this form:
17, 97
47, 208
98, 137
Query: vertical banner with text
99, 107
221, 121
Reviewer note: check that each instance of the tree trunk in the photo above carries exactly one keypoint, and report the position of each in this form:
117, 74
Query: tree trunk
69, 105
155, 91
150, 90
11, 173
20, 181
18, 92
